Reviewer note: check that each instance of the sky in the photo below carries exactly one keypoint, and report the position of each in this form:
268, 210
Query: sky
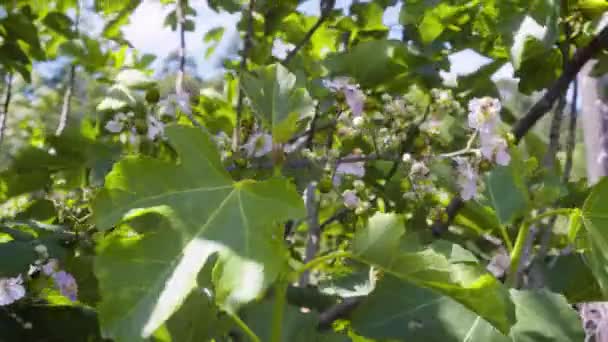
147, 34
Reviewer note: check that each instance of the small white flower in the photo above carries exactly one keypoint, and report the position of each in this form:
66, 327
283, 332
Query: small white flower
358, 121
156, 128
259, 145
418, 169
467, 179
351, 200
11, 290
280, 49
406, 158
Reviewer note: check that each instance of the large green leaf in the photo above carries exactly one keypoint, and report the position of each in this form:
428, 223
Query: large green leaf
146, 272
297, 325
445, 268
398, 310
544, 316
277, 100
595, 219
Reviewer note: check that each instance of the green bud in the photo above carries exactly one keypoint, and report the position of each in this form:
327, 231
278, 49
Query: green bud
152, 95
325, 185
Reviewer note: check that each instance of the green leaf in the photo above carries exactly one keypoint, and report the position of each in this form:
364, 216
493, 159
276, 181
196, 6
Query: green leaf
145, 273
544, 316
399, 310
443, 267
539, 60
16, 257
135, 79
595, 220
506, 192
386, 64
60, 23
277, 100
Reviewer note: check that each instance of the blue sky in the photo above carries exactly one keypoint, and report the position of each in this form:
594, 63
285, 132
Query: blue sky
147, 34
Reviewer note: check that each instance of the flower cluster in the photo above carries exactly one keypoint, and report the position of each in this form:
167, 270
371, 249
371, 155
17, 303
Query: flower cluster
484, 118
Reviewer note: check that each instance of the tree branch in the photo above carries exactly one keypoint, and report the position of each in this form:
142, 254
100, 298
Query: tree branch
7, 101
540, 108
247, 45
67, 96
338, 311
571, 139
326, 8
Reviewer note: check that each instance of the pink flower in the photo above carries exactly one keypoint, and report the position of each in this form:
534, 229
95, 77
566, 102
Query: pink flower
484, 114
11, 290
355, 98
351, 200
259, 145
467, 179
50, 267
496, 149
66, 284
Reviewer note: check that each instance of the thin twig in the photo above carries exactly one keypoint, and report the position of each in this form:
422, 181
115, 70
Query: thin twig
247, 45
7, 101
540, 108
314, 230
468, 148
67, 96
325, 13
310, 132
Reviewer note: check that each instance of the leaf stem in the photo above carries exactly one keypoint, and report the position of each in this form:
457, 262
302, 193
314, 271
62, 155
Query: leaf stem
278, 311
323, 258
244, 327
506, 238
522, 236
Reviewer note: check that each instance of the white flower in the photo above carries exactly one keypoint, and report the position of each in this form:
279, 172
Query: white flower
11, 290
406, 158
351, 200
358, 121
419, 169
156, 127
259, 145
484, 114
280, 49
467, 179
